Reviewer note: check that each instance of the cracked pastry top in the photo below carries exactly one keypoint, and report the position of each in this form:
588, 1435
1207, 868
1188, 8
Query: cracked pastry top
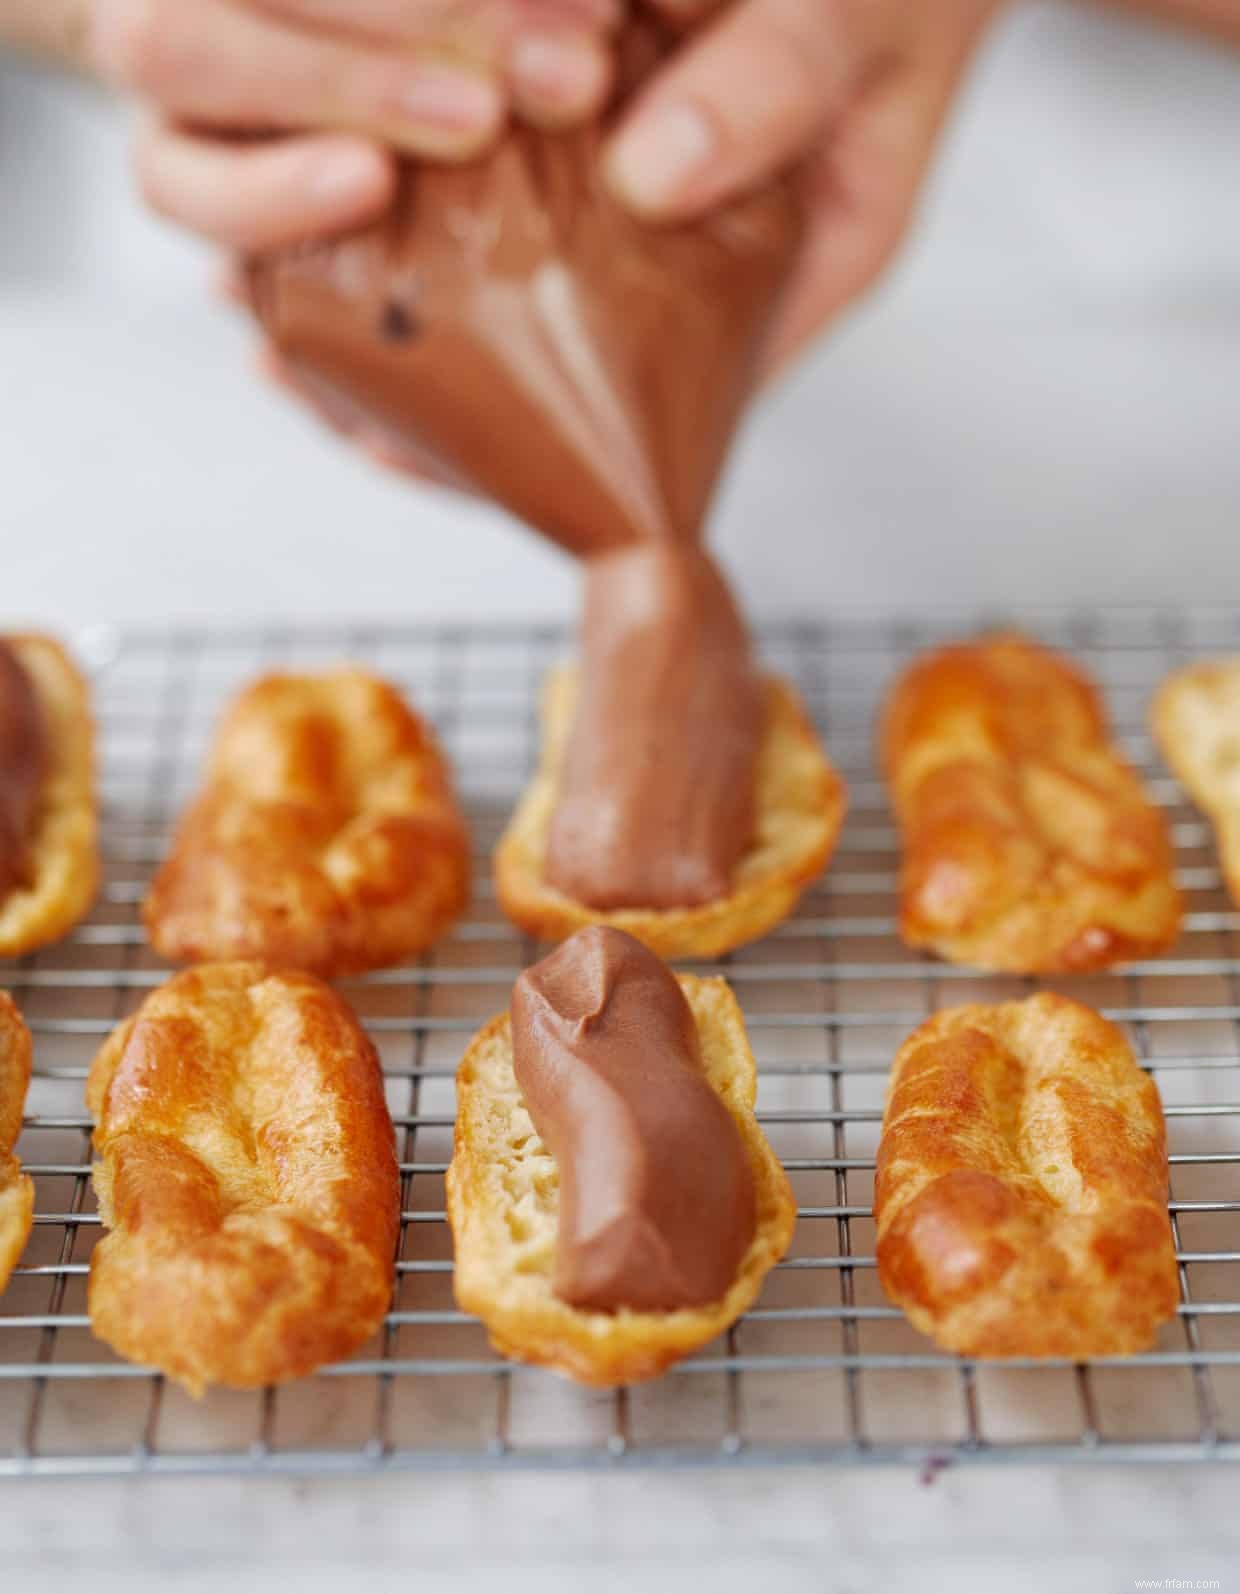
16, 1188
1196, 721
1021, 1189
326, 838
49, 861
246, 1174
1029, 844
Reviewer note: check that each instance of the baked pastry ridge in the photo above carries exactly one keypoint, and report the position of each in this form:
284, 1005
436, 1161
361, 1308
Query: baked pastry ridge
54, 870
1021, 1187
1196, 722
16, 1188
24, 759
326, 838
504, 1204
247, 1175
1029, 844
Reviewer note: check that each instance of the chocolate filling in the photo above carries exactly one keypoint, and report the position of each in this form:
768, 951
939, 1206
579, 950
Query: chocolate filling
657, 1200
657, 793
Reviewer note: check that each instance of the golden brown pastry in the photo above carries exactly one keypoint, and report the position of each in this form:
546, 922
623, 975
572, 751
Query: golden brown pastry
1196, 721
49, 861
327, 837
525, 1257
246, 1170
1029, 844
1021, 1192
800, 807
16, 1190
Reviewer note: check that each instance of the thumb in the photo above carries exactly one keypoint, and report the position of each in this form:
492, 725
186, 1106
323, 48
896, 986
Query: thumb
745, 97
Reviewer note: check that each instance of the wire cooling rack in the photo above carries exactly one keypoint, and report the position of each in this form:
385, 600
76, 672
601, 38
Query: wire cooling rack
822, 1369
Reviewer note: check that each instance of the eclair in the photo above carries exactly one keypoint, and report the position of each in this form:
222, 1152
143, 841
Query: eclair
1020, 1198
16, 1188
1196, 722
327, 836
1030, 846
246, 1176
613, 1201
682, 796
49, 861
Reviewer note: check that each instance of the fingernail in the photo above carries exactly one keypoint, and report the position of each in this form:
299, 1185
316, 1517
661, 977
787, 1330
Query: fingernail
343, 176
446, 98
556, 69
658, 158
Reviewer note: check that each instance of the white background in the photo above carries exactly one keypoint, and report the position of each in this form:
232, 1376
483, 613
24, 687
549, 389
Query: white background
1043, 404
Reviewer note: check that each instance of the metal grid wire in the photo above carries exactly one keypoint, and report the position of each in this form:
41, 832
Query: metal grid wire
822, 1369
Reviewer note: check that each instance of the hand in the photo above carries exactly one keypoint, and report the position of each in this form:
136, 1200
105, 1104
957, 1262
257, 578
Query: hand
274, 121
859, 89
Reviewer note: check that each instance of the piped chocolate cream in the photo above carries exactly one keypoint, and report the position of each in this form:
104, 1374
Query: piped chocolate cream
657, 1202
657, 792
24, 759
511, 326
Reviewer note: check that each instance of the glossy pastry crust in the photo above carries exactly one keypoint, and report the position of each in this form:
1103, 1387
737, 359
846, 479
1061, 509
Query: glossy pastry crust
801, 805
1030, 846
1021, 1191
64, 853
245, 1169
16, 1189
503, 1205
1196, 721
327, 837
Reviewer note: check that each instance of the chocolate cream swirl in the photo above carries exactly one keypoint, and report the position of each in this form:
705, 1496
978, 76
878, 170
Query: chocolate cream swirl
657, 1200
656, 801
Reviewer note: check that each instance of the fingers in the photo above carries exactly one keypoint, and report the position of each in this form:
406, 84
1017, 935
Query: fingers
863, 190
266, 195
225, 65
416, 21
557, 76
553, 52
741, 101
213, 63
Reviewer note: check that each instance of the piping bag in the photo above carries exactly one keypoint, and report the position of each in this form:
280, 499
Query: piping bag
511, 325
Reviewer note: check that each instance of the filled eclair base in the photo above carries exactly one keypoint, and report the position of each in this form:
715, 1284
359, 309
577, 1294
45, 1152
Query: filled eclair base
504, 1209
800, 807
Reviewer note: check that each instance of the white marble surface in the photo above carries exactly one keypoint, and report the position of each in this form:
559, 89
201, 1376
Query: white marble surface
1018, 1531
1042, 405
